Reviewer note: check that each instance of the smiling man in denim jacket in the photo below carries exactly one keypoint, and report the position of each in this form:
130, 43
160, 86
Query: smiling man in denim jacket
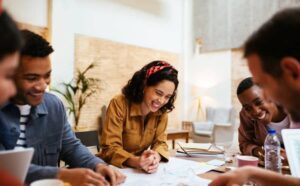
38, 119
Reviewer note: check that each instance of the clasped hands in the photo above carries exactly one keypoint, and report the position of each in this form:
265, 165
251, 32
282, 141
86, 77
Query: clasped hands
149, 161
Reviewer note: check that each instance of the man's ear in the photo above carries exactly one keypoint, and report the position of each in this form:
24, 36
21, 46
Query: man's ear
291, 69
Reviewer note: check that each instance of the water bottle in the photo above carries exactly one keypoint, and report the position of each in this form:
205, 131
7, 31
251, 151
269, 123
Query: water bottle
272, 152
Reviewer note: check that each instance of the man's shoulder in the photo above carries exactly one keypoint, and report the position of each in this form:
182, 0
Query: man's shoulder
51, 101
49, 97
245, 119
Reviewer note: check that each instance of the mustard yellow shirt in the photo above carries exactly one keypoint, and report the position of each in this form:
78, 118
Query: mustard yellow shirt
124, 135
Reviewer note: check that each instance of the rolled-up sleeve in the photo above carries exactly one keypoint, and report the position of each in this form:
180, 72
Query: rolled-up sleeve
159, 144
111, 139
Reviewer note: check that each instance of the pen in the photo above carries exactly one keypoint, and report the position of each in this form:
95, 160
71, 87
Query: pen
184, 150
260, 154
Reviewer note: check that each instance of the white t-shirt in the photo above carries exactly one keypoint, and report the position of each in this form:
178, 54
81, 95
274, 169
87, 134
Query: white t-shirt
24, 116
284, 124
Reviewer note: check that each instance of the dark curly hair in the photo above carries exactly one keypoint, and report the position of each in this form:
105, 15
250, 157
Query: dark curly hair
10, 37
134, 90
35, 45
244, 85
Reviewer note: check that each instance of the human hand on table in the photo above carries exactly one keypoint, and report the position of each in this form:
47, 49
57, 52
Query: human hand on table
81, 177
112, 175
149, 161
233, 178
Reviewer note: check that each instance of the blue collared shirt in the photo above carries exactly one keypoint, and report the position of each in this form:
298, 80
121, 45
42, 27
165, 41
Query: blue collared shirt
51, 136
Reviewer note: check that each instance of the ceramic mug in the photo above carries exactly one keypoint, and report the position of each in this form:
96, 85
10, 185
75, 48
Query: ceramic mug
47, 182
247, 160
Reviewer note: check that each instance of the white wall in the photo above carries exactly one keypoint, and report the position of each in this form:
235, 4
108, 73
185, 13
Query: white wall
153, 24
29, 11
158, 24
209, 76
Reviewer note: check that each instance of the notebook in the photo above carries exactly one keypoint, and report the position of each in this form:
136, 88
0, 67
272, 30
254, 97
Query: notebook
200, 148
16, 162
291, 140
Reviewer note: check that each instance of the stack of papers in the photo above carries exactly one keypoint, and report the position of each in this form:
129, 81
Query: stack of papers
200, 148
175, 172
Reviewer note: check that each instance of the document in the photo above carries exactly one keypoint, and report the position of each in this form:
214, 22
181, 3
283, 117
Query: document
202, 147
175, 172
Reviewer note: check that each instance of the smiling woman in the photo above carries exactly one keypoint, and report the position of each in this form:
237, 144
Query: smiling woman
137, 119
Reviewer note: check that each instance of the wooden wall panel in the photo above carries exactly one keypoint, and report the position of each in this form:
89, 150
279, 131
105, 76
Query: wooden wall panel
42, 31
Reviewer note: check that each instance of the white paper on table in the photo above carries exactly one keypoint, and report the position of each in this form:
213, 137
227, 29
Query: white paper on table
203, 146
175, 172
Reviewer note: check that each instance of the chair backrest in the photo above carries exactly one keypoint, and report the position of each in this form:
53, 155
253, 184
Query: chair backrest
224, 125
102, 119
220, 115
89, 138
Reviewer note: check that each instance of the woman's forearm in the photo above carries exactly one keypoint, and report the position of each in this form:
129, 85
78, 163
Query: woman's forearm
133, 162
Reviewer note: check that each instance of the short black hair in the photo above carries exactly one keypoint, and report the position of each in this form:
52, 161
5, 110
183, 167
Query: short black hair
276, 39
10, 37
134, 90
35, 45
244, 85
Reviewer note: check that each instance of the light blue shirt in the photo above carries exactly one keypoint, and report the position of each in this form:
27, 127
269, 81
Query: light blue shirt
51, 136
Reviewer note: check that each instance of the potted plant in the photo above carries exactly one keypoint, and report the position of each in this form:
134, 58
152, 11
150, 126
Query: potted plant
77, 92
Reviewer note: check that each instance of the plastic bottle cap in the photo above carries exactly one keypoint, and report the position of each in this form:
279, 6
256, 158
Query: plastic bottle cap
271, 131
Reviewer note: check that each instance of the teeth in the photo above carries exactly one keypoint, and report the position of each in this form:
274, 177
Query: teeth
156, 105
37, 94
262, 116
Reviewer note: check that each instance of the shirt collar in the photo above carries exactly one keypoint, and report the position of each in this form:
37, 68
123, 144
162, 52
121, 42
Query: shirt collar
40, 109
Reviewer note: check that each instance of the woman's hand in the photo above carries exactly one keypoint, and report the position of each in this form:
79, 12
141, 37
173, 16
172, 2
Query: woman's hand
155, 163
148, 161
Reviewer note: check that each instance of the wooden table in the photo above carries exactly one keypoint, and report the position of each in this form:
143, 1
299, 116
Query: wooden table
177, 134
208, 175
215, 173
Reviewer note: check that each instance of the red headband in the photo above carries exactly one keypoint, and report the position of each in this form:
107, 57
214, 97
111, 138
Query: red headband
157, 68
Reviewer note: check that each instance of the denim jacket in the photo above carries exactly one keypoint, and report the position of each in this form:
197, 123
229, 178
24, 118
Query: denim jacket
51, 136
